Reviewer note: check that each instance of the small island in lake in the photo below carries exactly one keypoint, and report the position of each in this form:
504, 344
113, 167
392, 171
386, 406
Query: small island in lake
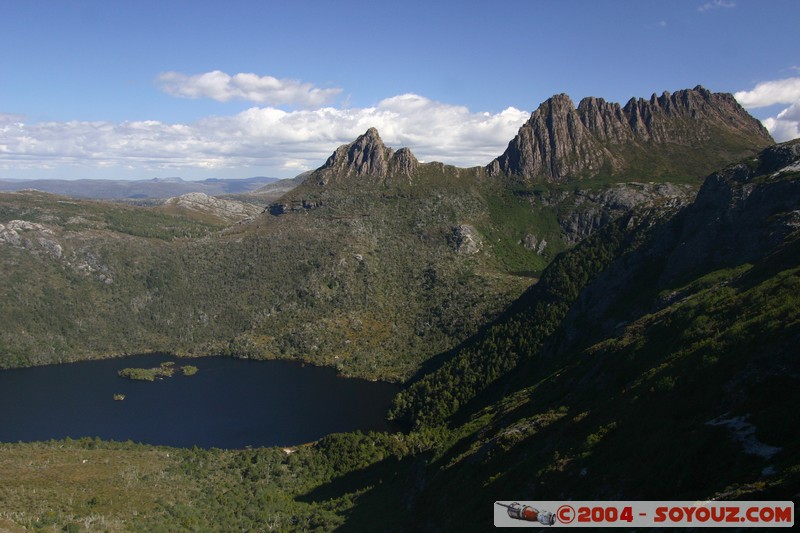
165, 370
119, 397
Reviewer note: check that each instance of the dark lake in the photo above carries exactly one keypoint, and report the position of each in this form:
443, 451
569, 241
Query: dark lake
229, 403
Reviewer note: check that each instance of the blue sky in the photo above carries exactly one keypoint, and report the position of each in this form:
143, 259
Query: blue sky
144, 89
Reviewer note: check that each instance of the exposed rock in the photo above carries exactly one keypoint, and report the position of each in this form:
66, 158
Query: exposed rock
287, 206
593, 209
13, 233
51, 247
9, 236
365, 160
532, 243
404, 162
738, 217
227, 210
553, 144
465, 240
602, 138
368, 158
745, 434
85, 261
749, 217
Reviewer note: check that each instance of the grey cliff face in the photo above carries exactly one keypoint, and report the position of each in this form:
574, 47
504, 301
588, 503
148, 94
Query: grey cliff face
592, 210
369, 158
553, 143
404, 162
365, 160
560, 141
740, 215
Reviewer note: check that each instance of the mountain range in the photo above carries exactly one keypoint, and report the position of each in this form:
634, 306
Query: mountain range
137, 189
606, 311
690, 132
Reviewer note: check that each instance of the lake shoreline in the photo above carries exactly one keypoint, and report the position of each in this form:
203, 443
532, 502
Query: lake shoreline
229, 403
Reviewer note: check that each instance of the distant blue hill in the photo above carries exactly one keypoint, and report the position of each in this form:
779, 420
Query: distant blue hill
138, 189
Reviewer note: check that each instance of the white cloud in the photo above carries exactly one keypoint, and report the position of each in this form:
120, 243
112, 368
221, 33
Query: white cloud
786, 124
716, 4
249, 87
266, 138
767, 93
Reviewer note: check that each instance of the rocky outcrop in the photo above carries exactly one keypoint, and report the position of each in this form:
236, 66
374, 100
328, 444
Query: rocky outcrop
225, 210
534, 244
586, 211
600, 138
554, 143
367, 158
403, 162
287, 206
465, 240
741, 215
40, 240
31, 236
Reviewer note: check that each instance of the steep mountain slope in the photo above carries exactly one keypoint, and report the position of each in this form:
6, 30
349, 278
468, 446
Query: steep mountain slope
688, 133
656, 360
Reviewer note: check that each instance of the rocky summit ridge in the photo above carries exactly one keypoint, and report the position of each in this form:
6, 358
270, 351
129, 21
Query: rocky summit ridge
686, 134
661, 135
367, 156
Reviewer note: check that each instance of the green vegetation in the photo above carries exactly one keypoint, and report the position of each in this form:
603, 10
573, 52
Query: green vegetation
189, 370
165, 370
88, 484
513, 216
376, 288
501, 346
77, 214
607, 379
626, 415
369, 283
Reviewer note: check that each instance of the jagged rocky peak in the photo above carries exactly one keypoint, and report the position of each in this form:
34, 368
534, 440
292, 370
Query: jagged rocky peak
366, 157
404, 162
554, 144
597, 138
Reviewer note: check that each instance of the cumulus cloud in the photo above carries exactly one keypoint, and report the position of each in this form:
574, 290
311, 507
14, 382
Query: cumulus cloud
283, 142
716, 4
770, 93
786, 124
248, 87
